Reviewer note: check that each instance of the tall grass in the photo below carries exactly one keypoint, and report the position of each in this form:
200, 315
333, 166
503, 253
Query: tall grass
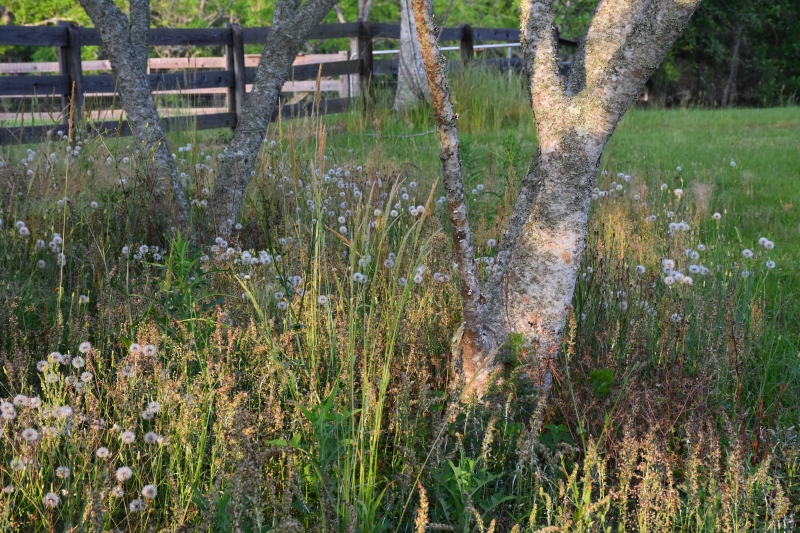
293, 373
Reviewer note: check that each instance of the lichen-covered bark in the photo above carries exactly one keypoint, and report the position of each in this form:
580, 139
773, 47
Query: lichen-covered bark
126, 43
530, 288
291, 26
473, 353
412, 87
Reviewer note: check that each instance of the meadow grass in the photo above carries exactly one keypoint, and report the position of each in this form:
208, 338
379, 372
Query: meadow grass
293, 372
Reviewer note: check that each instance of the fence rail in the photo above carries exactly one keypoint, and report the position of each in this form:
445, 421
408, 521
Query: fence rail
236, 75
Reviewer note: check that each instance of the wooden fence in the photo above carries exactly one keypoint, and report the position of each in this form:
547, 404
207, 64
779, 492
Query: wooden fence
233, 79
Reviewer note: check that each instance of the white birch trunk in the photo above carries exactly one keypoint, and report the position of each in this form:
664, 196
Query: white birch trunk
412, 84
531, 286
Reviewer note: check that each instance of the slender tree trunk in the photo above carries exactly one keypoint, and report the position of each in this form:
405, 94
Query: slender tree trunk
412, 86
729, 92
126, 41
291, 26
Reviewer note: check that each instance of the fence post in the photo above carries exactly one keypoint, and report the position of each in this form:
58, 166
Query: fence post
466, 46
234, 58
69, 66
365, 64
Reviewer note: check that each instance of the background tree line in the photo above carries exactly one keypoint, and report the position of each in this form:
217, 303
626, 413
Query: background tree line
734, 52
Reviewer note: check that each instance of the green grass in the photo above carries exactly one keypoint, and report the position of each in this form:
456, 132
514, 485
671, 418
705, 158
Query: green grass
323, 402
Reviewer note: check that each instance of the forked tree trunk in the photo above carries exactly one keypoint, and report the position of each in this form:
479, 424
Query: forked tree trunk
126, 41
531, 285
412, 85
291, 26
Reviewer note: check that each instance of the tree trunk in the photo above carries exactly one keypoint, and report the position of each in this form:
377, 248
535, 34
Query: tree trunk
729, 92
290, 29
127, 44
412, 85
533, 279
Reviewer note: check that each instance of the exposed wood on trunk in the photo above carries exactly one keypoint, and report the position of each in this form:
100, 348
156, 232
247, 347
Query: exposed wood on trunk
411, 84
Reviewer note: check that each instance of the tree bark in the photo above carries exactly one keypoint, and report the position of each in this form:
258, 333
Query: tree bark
126, 41
729, 92
291, 26
472, 359
531, 285
412, 87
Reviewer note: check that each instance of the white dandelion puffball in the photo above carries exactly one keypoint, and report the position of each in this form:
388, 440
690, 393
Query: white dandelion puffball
128, 437
30, 435
85, 347
123, 474
149, 350
747, 253
136, 506
716, 216
51, 500
102, 452
149, 492
63, 472
491, 243
770, 264
641, 269
678, 193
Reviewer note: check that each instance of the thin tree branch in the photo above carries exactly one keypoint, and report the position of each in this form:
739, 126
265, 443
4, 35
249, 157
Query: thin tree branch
475, 348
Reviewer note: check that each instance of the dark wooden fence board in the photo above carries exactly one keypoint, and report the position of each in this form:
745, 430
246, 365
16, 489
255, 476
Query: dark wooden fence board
38, 36
30, 85
366, 67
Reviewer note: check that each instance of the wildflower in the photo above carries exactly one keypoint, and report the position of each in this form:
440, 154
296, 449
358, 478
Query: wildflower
127, 437
282, 305
8, 489
770, 264
52, 378
694, 269
149, 350
102, 452
152, 438
83, 299
135, 348
30, 435
701, 247
640, 269
85, 347
716, 216
123, 474
136, 506
63, 472
20, 400
748, 253
51, 500
126, 250
55, 357
149, 492
78, 362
